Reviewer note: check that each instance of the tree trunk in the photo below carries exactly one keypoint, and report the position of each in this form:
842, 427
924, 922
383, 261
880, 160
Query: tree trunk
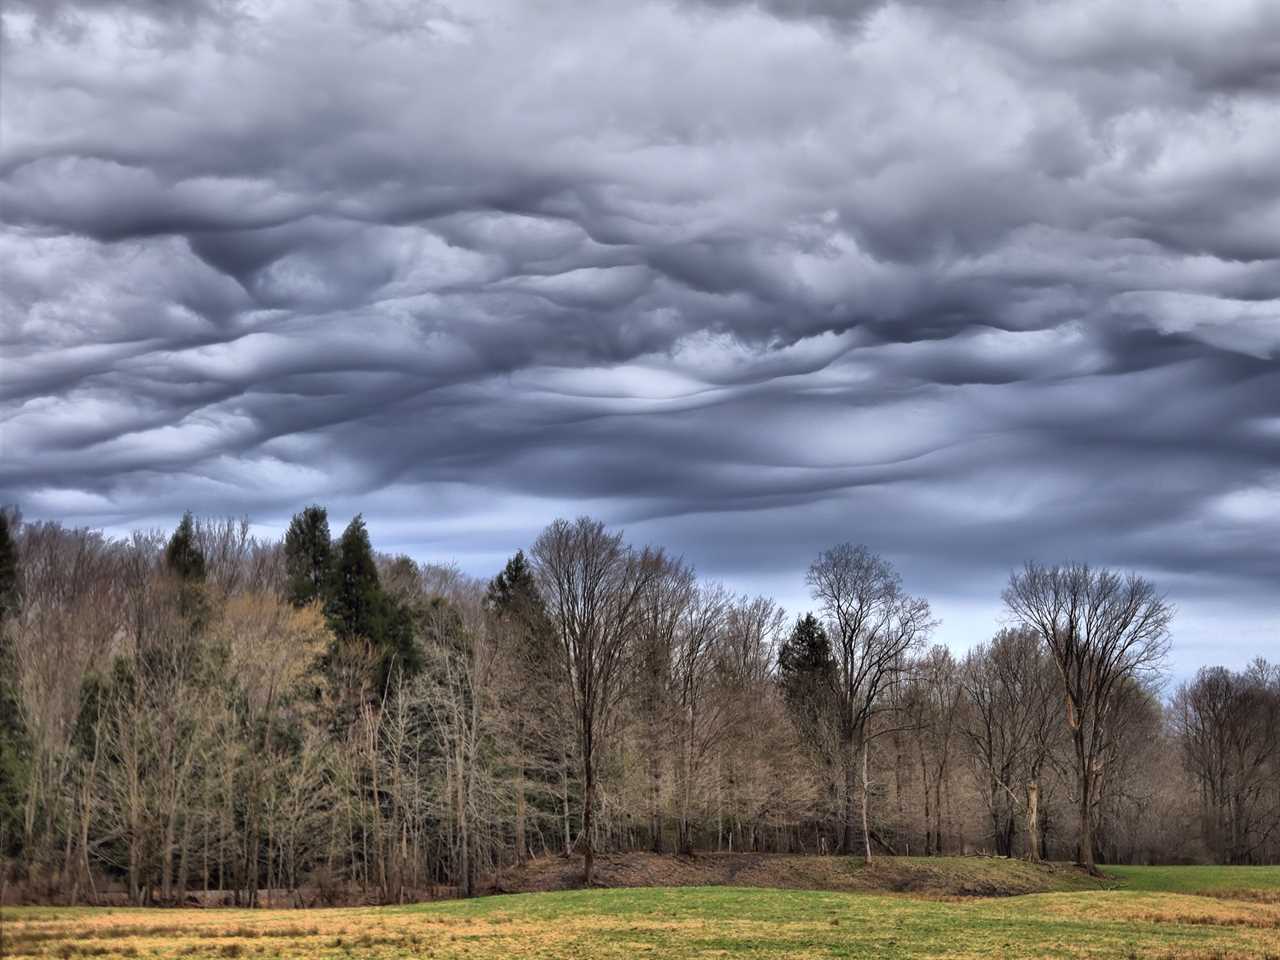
928, 813
135, 826
1033, 821
464, 830
564, 798
866, 825
939, 785
686, 787
520, 817
588, 812
848, 840
184, 847
655, 800
1084, 854
170, 843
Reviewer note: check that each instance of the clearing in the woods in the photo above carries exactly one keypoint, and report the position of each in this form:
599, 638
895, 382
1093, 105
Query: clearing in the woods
923, 908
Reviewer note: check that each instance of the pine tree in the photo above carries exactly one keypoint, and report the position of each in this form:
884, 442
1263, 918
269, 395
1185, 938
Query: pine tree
354, 588
514, 598
182, 556
508, 587
184, 560
806, 671
806, 653
8, 568
308, 552
360, 611
13, 742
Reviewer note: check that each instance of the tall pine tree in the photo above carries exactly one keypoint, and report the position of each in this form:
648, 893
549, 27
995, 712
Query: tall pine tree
361, 612
13, 743
183, 557
184, 560
308, 556
806, 673
354, 589
514, 599
8, 565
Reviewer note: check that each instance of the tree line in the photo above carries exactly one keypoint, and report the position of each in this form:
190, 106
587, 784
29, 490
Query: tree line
202, 712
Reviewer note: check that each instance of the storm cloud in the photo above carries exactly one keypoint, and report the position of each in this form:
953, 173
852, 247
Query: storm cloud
973, 283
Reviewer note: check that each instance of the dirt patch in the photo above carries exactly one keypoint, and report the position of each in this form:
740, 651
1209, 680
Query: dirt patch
946, 877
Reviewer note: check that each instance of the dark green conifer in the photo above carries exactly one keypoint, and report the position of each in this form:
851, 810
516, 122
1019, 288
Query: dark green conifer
308, 556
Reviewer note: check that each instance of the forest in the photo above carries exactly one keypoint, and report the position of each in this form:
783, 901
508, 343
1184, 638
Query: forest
204, 713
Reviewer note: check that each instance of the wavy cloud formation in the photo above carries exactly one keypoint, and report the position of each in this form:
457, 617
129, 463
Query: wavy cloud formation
970, 282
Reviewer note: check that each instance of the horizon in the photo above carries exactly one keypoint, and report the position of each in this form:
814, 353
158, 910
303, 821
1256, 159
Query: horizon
962, 623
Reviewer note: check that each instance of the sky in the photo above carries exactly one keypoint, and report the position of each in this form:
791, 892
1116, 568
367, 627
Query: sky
972, 282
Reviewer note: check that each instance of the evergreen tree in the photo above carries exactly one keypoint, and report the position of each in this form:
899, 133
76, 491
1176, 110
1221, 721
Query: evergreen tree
514, 582
806, 672
8, 566
360, 611
13, 744
308, 553
354, 590
806, 653
183, 557
514, 598
513, 594
184, 560
398, 641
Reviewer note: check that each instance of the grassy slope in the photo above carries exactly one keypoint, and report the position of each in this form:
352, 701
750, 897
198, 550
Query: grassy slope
929, 876
1145, 920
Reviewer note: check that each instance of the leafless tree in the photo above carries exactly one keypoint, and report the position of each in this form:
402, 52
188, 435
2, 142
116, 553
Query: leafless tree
273, 650
1103, 629
1011, 727
932, 701
704, 704
1229, 727
663, 603
458, 689
593, 584
873, 624
63, 630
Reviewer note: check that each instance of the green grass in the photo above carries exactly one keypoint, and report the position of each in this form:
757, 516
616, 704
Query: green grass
1148, 914
1197, 880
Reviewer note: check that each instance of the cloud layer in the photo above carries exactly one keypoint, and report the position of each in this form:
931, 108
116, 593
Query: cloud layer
970, 282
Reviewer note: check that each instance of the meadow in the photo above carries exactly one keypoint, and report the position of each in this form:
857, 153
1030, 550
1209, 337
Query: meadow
1138, 912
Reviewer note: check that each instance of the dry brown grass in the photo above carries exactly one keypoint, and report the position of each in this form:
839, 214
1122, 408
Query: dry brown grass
677, 923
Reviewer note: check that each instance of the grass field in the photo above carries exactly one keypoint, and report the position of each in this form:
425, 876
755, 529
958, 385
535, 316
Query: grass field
1182, 912
1248, 882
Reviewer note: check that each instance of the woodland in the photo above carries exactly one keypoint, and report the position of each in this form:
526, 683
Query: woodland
204, 712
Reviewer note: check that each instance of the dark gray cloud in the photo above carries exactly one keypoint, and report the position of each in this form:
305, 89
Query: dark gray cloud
971, 282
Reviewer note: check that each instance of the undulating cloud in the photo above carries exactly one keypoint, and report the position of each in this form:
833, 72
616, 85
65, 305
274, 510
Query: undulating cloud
970, 282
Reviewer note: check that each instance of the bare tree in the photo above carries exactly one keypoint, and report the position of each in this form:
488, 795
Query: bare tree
1102, 629
664, 601
228, 552
63, 630
462, 701
592, 584
873, 624
272, 648
702, 708
1011, 729
753, 630
932, 700
1229, 727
